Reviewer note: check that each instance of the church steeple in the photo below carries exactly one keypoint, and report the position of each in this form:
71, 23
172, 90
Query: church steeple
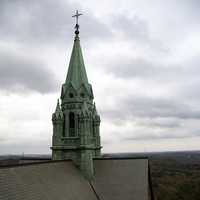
76, 122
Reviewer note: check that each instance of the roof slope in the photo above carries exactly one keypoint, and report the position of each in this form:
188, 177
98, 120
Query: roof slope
119, 179
115, 179
49, 181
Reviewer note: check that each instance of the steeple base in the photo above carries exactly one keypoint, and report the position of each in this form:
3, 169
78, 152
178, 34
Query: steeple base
82, 158
86, 164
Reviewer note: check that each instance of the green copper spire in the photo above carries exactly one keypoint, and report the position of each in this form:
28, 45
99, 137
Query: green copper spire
76, 72
76, 76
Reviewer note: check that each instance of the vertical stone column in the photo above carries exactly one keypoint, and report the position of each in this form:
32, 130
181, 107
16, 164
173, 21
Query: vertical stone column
82, 130
86, 157
86, 164
57, 134
97, 138
66, 121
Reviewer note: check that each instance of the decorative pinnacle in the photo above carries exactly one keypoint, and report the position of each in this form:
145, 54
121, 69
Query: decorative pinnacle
77, 25
58, 106
94, 108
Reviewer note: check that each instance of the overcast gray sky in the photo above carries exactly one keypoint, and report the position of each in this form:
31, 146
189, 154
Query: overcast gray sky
142, 58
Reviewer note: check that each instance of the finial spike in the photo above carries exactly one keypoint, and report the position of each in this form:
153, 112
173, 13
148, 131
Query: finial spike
77, 25
58, 105
94, 108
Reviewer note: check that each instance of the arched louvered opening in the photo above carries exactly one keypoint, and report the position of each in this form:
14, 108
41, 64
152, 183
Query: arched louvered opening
71, 124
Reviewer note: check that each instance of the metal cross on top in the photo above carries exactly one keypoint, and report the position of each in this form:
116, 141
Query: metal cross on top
77, 25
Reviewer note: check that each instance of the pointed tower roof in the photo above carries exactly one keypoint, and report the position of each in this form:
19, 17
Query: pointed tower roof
58, 114
94, 109
96, 115
76, 75
58, 107
76, 72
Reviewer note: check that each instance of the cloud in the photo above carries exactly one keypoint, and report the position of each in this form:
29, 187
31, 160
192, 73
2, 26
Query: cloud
143, 68
133, 27
133, 67
144, 62
147, 107
45, 22
18, 148
19, 73
141, 128
136, 31
160, 122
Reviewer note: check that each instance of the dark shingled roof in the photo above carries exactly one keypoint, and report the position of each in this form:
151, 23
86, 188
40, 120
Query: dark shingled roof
119, 179
114, 179
49, 181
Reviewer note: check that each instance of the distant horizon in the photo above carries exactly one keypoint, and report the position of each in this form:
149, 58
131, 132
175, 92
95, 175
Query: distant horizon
180, 151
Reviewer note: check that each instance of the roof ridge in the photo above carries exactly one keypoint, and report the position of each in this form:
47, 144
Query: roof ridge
95, 192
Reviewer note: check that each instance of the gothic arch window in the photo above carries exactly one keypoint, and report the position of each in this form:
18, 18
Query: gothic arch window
71, 124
